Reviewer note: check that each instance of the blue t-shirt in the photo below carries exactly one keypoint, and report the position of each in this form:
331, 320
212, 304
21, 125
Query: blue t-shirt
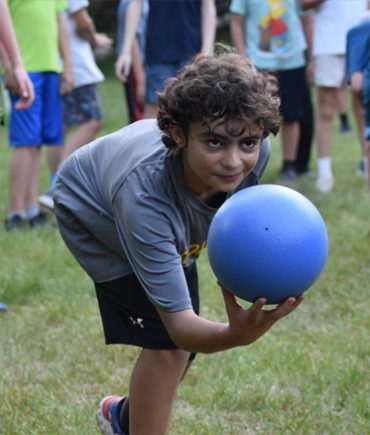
358, 49
173, 31
274, 34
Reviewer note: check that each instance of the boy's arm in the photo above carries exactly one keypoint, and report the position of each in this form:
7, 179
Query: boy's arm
307, 24
138, 71
310, 4
209, 22
124, 61
67, 75
193, 333
85, 29
237, 32
17, 77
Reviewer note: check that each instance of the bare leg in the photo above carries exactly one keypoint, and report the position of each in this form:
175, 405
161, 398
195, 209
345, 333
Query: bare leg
150, 111
53, 155
327, 100
153, 385
358, 111
34, 177
84, 134
289, 140
24, 177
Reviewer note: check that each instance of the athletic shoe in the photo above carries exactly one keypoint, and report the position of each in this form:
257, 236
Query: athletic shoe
325, 183
14, 223
39, 220
108, 413
306, 174
345, 128
3, 308
287, 177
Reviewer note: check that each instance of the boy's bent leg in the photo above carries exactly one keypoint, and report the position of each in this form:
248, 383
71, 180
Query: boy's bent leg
153, 385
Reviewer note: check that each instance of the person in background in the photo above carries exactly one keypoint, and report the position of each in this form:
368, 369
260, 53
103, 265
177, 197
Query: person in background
81, 106
134, 84
358, 75
12, 61
176, 31
18, 81
40, 31
270, 33
332, 20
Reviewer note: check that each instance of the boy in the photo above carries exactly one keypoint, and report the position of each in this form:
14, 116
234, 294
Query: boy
134, 208
358, 75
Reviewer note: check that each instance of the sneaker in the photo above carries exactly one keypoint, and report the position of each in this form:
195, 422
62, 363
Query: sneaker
39, 220
46, 199
306, 174
324, 183
3, 308
287, 177
361, 169
16, 222
108, 413
345, 128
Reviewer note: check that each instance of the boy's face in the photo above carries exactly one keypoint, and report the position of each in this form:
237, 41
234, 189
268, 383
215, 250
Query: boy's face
217, 156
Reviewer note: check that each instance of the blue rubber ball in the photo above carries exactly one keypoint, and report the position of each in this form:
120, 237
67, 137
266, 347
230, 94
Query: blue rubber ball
267, 241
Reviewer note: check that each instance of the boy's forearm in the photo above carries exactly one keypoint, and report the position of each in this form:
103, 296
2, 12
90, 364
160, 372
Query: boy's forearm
85, 26
309, 4
63, 42
237, 31
134, 11
11, 56
196, 334
209, 24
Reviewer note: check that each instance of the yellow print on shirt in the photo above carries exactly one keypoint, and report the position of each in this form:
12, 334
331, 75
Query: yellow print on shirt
194, 250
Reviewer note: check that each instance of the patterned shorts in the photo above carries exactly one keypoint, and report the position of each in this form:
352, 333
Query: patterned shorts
82, 105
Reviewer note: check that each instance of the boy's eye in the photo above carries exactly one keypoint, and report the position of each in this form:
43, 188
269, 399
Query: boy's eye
214, 143
248, 144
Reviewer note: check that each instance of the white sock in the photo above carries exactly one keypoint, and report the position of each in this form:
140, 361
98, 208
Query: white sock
324, 166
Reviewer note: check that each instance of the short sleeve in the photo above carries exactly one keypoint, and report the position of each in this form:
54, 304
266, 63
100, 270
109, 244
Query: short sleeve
145, 230
240, 7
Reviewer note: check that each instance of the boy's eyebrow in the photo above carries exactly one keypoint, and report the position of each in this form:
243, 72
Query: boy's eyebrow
209, 133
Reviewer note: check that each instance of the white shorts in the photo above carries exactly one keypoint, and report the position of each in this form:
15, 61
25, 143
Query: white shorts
329, 70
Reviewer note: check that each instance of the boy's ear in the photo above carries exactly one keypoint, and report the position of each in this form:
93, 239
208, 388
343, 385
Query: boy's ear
178, 136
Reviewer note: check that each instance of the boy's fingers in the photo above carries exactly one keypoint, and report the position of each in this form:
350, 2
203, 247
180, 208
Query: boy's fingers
287, 306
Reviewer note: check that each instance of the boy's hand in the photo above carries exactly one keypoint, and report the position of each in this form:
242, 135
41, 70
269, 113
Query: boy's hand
247, 325
123, 66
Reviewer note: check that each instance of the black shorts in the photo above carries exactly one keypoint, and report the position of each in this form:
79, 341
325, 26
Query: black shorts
291, 86
129, 317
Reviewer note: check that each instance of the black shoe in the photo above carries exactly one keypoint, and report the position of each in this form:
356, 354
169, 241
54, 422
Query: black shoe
39, 220
16, 222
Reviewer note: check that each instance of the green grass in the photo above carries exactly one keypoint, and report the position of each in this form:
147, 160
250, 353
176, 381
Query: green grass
309, 375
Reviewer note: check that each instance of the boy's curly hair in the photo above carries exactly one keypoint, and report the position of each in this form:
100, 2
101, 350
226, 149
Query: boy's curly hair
222, 86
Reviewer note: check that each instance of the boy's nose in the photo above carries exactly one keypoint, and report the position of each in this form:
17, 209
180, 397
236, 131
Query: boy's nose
232, 159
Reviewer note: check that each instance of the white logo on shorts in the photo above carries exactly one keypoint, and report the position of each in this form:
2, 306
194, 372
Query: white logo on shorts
138, 321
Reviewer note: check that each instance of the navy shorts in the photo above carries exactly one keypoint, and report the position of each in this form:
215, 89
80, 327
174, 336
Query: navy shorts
42, 122
129, 317
81, 105
156, 77
291, 88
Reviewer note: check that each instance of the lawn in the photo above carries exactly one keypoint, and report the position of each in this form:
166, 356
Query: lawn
309, 375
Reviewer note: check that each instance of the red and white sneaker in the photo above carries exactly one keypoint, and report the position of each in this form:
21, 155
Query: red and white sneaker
108, 413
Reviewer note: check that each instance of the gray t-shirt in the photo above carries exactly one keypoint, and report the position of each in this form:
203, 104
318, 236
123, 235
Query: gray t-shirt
123, 207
